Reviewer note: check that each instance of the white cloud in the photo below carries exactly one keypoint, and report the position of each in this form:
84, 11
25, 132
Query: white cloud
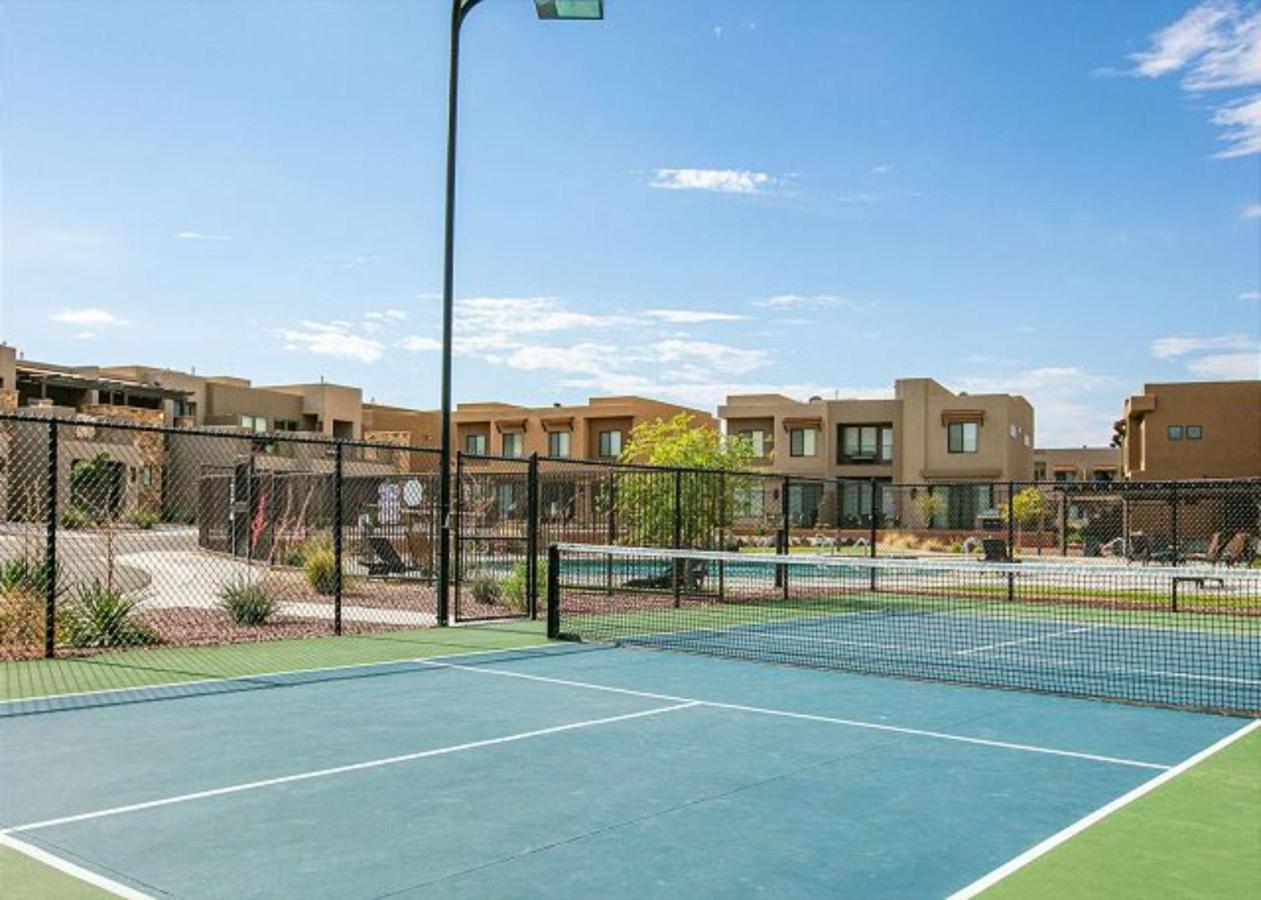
882, 169
722, 181
721, 358
85, 335
808, 301
717, 30
418, 343
1217, 45
1072, 406
692, 316
187, 235
1182, 345
524, 315
332, 339
385, 315
1227, 366
1252, 211
1250, 295
88, 317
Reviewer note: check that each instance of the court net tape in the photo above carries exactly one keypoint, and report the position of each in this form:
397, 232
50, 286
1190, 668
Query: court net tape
1186, 637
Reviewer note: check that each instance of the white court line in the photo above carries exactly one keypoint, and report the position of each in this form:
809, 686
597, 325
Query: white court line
74, 871
1026, 640
341, 770
227, 679
1082, 824
809, 717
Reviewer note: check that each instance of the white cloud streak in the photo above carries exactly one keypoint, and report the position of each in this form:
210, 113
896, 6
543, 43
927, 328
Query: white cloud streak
1217, 46
187, 235
332, 339
692, 316
721, 181
88, 317
1183, 345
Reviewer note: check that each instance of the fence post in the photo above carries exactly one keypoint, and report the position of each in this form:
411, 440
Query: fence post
722, 526
608, 567
678, 531
532, 536
50, 549
1064, 504
337, 537
1173, 537
1011, 538
553, 592
785, 532
873, 512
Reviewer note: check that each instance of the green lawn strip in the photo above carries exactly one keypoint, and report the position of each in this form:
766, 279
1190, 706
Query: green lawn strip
715, 614
1198, 835
23, 878
165, 665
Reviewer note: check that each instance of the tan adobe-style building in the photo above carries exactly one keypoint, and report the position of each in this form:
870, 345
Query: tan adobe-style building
598, 430
1098, 464
1186, 430
924, 435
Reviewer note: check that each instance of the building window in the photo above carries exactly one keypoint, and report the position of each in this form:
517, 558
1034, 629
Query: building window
286, 425
1175, 432
961, 437
803, 503
256, 424
1065, 475
748, 500
802, 441
610, 444
757, 440
1039, 472
1104, 476
856, 503
1195, 432
513, 443
475, 444
558, 444
866, 443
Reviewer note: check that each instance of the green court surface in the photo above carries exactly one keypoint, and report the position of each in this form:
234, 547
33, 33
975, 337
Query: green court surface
1199, 835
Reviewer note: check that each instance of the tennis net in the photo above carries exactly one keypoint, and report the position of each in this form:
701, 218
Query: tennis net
1185, 637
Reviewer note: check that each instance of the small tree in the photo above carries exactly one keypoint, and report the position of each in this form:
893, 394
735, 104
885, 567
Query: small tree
1029, 507
930, 506
646, 499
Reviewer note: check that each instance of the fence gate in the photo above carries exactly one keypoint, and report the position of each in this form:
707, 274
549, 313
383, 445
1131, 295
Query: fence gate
497, 567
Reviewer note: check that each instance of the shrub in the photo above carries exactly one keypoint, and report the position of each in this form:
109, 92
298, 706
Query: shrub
22, 574
486, 589
98, 617
320, 566
144, 519
74, 517
21, 618
247, 602
514, 587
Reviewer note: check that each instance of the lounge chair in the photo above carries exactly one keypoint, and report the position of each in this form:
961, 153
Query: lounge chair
1140, 547
385, 559
692, 574
1211, 555
995, 550
1239, 551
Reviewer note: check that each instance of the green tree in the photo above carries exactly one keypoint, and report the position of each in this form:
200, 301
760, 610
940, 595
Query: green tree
1030, 507
930, 506
646, 498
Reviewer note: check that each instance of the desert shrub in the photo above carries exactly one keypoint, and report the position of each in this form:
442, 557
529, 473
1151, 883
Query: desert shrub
74, 517
98, 617
21, 618
144, 519
514, 587
23, 574
320, 567
485, 589
247, 602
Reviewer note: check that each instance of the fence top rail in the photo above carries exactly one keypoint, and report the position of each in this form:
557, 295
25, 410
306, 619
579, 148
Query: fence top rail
278, 437
923, 564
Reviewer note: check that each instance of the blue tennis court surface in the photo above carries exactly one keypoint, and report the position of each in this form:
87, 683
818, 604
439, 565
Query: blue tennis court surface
571, 771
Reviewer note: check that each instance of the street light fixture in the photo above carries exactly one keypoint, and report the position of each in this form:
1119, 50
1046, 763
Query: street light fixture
546, 9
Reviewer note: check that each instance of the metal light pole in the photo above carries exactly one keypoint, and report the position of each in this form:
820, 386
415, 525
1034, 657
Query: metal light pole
546, 9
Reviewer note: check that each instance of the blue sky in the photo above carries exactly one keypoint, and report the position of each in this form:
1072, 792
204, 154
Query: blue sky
1060, 199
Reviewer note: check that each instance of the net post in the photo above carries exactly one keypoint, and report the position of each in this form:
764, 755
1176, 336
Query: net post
785, 531
553, 592
337, 537
50, 547
678, 533
532, 536
608, 568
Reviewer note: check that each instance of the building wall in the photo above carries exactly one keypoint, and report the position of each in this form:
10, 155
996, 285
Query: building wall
1229, 414
919, 414
1077, 464
584, 423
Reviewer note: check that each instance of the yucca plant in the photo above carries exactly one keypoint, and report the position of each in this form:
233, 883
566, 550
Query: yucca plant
320, 567
98, 617
248, 603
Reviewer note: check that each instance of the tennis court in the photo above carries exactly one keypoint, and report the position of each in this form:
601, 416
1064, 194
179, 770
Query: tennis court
772, 757
571, 770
